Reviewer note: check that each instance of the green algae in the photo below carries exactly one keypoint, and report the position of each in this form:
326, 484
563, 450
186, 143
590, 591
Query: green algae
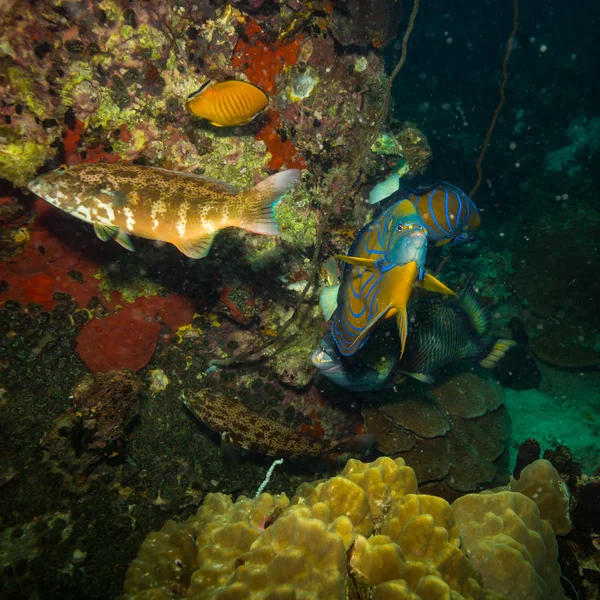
27, 88
80, 71
387, 145
298, 224
19, 157
127, 282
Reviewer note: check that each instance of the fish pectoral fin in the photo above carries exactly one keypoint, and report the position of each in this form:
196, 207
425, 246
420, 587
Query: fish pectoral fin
432, 284
197, 247
364, 334
328, 300
422, 377
123, 240
367, 263
105, 232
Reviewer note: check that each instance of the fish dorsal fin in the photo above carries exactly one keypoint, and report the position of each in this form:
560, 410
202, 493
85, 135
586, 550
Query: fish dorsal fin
197, 247
105, 232
328, 300
203, 88
431, 284
124, 240
367, 263
222, 186
477, 312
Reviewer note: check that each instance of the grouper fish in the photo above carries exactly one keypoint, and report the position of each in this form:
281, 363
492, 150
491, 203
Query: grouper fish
244, 428
183, 209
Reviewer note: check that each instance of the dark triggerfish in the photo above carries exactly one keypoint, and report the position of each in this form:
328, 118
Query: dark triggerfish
441, 332
449, 215
246, 429
385, 261
185, 210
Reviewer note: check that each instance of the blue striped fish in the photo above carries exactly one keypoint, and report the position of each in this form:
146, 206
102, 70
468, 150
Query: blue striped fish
385, 261
449, 215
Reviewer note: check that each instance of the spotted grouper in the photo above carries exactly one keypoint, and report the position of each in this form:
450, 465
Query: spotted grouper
184, 209
246, 429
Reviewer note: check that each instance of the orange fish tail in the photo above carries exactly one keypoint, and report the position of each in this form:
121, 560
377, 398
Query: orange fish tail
257, 215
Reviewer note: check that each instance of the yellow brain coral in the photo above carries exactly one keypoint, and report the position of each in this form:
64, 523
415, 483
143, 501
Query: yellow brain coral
365, 533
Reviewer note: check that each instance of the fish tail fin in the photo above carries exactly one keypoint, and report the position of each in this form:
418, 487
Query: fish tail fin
500, 348
356, 443
384, 189
328, 300
476, 311
258, 215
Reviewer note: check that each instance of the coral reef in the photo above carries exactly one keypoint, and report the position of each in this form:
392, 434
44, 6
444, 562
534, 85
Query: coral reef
578, 551
363, 533
14, 219
453, 433
541, 482
503, 533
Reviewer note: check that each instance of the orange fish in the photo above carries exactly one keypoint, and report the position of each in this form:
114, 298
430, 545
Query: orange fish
228, 103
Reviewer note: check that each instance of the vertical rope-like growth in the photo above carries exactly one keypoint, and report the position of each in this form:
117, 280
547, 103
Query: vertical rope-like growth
407, 33
509, 46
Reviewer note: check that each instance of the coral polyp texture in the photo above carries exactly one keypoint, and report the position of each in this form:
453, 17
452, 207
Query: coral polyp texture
366, 533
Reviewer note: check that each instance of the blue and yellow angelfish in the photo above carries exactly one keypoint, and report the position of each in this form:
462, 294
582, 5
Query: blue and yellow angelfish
383, 264
448, 213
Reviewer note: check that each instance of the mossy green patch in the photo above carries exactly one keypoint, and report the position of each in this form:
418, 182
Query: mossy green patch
20, 158
128, 282
79, 72
28, 90
297, 221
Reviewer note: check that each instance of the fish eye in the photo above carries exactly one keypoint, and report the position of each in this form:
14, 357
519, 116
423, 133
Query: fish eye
63, 169
400, 228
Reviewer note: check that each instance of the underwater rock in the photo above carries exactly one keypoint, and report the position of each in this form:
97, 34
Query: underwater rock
94, 429
564, 254
529, 451
14, 232
364, 22
518, 370
239, 303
